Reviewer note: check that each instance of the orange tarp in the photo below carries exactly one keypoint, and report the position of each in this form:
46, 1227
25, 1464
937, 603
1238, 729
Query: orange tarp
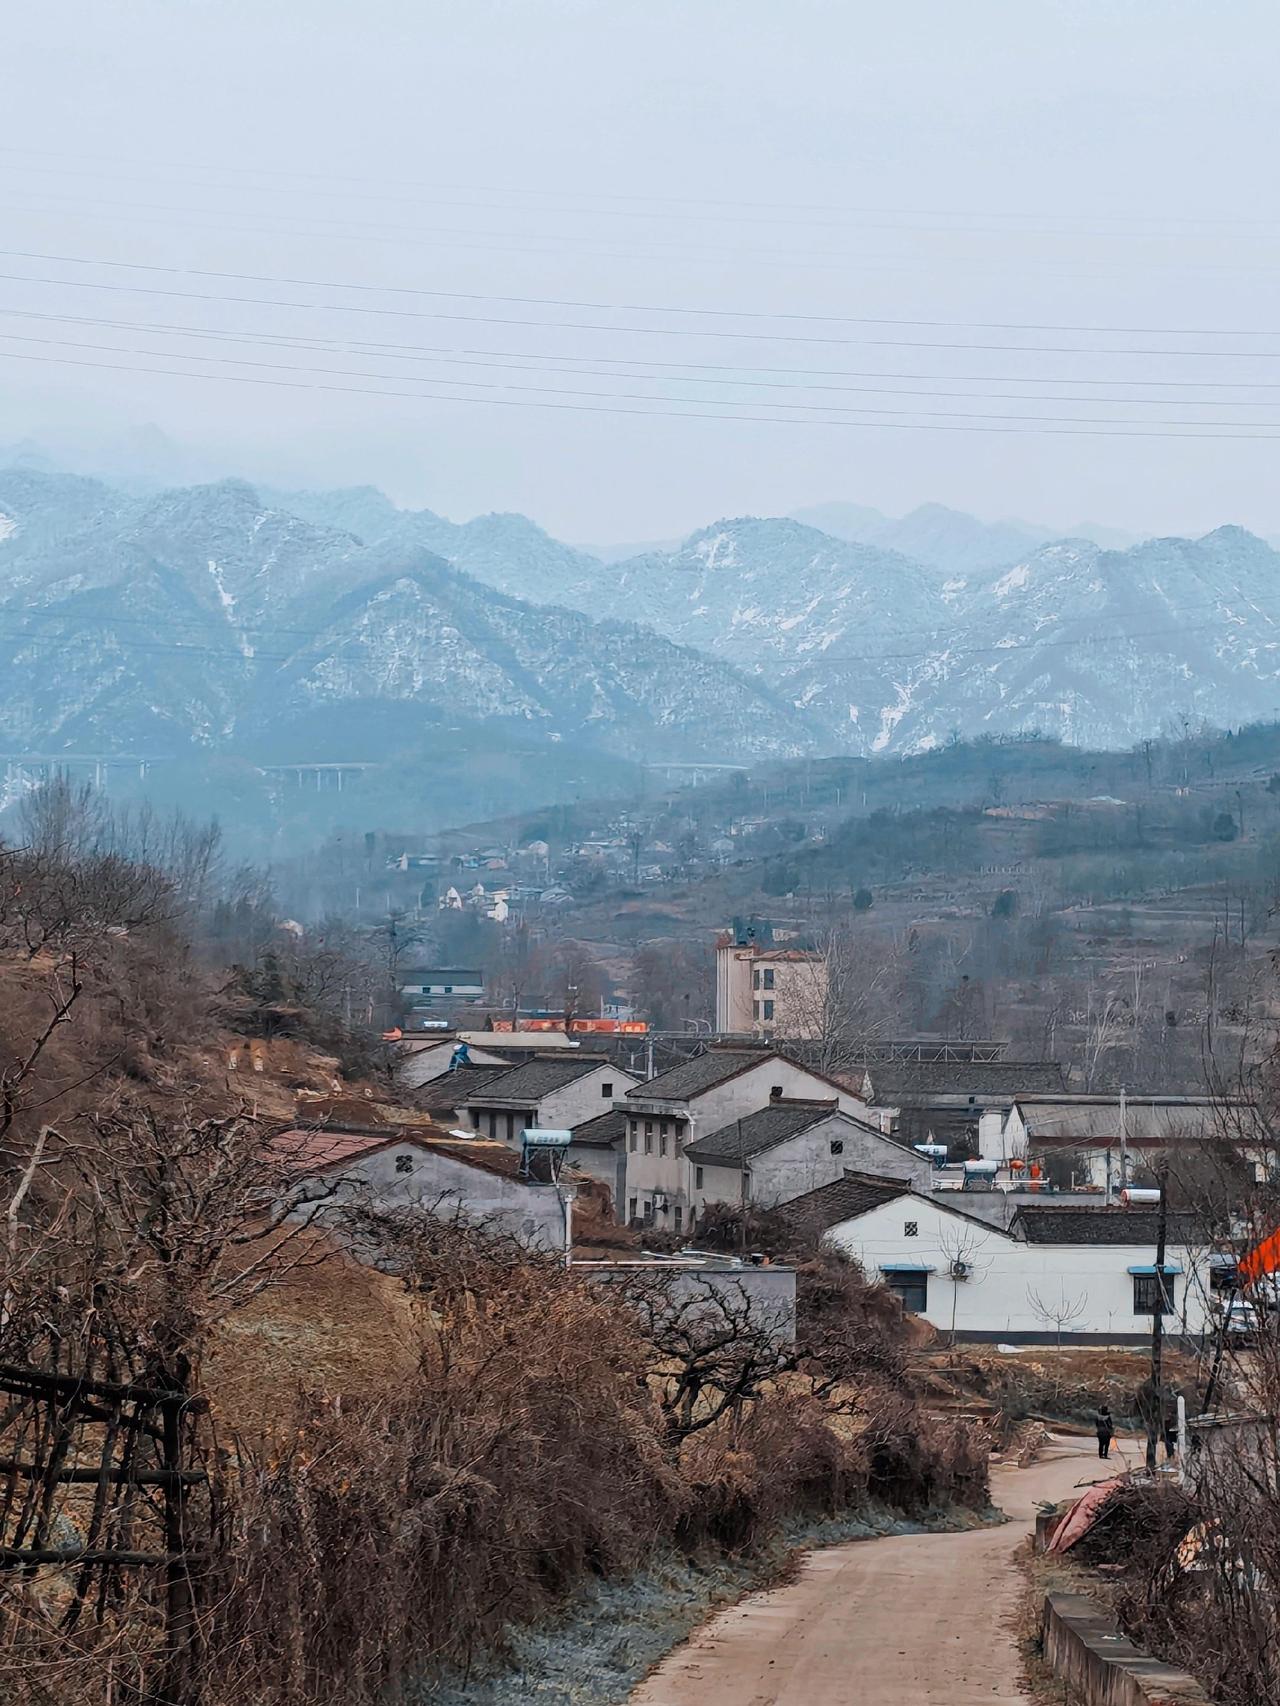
1265, 1259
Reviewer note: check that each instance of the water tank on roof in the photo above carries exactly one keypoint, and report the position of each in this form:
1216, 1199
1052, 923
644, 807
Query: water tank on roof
1132, 1198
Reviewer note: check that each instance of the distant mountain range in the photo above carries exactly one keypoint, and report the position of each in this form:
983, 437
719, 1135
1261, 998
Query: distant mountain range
304, 624
210, 617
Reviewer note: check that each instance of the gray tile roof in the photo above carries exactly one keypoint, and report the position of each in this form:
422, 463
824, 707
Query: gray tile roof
603, 1131
451, 1089
913, 1081
705, 1071
757, 1132
1095, 1120
536, 1078
843, 1199
1137, 1226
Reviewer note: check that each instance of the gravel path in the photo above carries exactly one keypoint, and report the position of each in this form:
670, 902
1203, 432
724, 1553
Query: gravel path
898, 1622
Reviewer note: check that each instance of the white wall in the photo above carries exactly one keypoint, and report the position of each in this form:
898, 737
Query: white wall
997, 1301
670, 1176
409, 1175
559, 1110
805, 1162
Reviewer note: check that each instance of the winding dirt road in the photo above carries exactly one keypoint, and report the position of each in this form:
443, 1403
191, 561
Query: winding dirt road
900, 1622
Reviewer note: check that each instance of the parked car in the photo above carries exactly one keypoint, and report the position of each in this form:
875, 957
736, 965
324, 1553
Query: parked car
1240, 1319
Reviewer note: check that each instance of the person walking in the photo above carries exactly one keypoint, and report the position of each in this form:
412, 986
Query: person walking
1105, 1429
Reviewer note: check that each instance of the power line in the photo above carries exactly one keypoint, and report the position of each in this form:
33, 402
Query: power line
589, 326
367, 346
1127, 219
1215, 433
661, 308
1265, 427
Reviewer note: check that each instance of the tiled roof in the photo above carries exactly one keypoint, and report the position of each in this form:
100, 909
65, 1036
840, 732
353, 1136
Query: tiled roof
536, 1078
759, 1131
1095, 1120
602, 1132
705, 1071
304, 1151
913, 1081
1137, 1226
451, 1089
843, 1199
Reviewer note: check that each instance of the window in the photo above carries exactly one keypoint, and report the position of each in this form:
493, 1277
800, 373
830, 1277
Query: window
1146, 1294
631, 1209
755, 1009
448, 989
911, 1229
697, 1178
632, 1131
648, 1137
404, 1163
679, 1219
768, 978
768, 1009
912, 1290
662, 1141
775, 1091
755, 981
837, 1146
648, 1211
606, 1090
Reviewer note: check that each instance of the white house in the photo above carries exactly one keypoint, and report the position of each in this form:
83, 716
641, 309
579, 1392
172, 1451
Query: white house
420, 1062
1076, 1275
705, 1094
560, 1089
422, 1168
790, 1147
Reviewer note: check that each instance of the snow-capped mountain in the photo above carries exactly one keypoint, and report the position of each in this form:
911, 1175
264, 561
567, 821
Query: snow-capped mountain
209, 617
232, 620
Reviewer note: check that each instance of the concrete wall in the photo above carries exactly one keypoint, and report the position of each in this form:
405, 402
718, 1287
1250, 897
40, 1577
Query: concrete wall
1085, 1649
411, 1176
788, 1170
1007, 1275
769, 1293
608, 1166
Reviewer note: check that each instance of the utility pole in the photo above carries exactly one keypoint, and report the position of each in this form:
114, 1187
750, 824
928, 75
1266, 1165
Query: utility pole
1155, 1414
1124, 1141
742, 1194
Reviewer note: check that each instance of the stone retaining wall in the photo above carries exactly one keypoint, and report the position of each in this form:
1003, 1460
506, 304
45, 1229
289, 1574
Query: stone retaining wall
1086, 1650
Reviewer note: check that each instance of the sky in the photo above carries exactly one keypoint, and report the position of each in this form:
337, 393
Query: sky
629, 267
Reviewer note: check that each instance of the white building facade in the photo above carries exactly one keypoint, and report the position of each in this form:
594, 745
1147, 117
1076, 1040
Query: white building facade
1075, 1276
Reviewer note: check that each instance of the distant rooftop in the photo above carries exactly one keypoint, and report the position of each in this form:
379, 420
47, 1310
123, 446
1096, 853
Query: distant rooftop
603, 1132
784, 1118
900, 1082
844, 1199
1138, 1226
533, 1079
701, 1073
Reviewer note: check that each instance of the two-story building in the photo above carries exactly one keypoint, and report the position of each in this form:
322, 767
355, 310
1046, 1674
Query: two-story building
561, 1090
665, 1114
790, 1147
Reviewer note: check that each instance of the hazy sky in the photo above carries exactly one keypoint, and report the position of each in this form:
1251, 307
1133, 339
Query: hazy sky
739, 204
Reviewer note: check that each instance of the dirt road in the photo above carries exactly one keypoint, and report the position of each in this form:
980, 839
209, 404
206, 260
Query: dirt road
896, 1622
